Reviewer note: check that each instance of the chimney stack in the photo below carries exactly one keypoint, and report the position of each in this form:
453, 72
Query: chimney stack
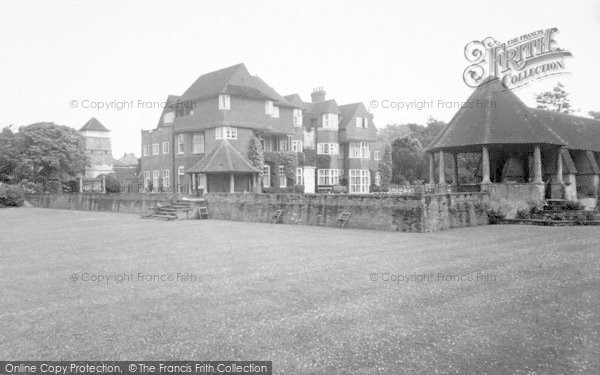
318, 95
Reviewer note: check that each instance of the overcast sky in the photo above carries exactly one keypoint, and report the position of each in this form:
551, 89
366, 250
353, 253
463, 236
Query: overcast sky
56, 52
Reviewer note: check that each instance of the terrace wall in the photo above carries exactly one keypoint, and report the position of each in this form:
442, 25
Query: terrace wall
427, 213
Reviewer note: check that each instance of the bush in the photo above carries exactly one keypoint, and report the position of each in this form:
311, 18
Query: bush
495, 216
574, 205
299, 189
523, 213
11, 195
112, 184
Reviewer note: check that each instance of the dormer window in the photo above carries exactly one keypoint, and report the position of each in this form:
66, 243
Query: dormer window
168, 118
330, 121
224, 102
269, 107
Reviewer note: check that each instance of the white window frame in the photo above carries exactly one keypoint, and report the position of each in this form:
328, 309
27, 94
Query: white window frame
378, 178
166, 178
297, 117
269, 107
180, 177
155, 149
146, 150
224, 102
155, 177
359, 151
165, 147
328, 177
266, 175
297, 146
359, 181
328, 148
197, 147
146, 179
377, 155
168, 118
275, 112
359, 122
180, 144
282, 177
330, 121
226, 132
299, 176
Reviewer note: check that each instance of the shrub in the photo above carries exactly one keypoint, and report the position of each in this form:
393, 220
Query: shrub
299, 189
112, 184
11, 195
523, 213
574, 205
495, 216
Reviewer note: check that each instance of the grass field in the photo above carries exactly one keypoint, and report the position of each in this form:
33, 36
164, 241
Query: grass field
313, 300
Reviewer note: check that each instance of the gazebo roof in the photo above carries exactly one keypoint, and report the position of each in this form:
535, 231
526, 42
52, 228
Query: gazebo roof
494, 115
223, 159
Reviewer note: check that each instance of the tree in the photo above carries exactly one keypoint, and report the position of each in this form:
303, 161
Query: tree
386, 165
556, 100
9, 158
255, 153
46, 150
408, 160
595, 114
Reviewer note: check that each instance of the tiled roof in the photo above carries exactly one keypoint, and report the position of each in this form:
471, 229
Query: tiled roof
94, 125
494, 115
234, 80
578, 133
129, 159
348, 129
223, 159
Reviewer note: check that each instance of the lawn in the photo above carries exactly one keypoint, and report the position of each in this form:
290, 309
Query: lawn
313, 300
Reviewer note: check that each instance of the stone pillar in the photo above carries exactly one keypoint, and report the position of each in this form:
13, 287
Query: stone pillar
231, 183
104, 184
485, 165
80, 185
559, 167
537, 165
442, 172
455, 166
431, 168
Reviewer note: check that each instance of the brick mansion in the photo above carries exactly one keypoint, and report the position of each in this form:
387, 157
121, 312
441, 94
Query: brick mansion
232, 132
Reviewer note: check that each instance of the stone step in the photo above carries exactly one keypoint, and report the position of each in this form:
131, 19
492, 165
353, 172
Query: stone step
164, 217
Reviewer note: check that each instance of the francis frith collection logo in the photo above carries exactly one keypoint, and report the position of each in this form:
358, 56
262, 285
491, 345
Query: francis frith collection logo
517, 62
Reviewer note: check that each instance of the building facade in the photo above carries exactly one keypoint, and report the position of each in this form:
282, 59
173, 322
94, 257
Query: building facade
205, 138
98, 149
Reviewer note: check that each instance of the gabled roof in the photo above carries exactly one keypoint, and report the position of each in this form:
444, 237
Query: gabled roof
223, 159
578, 133
295, 100
318, 108
94, 125
493, 115
349, 131
129, 159
234, 80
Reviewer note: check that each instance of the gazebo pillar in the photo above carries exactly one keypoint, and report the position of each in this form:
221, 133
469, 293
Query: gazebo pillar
231, 183
431, 168
442, 172
485, 165
455, 166
537, 165
559, 167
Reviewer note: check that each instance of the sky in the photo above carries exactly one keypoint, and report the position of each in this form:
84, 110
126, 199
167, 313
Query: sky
61, 58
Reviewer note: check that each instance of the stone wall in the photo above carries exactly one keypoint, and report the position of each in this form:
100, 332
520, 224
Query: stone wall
133, 203
427, 213
387, 213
